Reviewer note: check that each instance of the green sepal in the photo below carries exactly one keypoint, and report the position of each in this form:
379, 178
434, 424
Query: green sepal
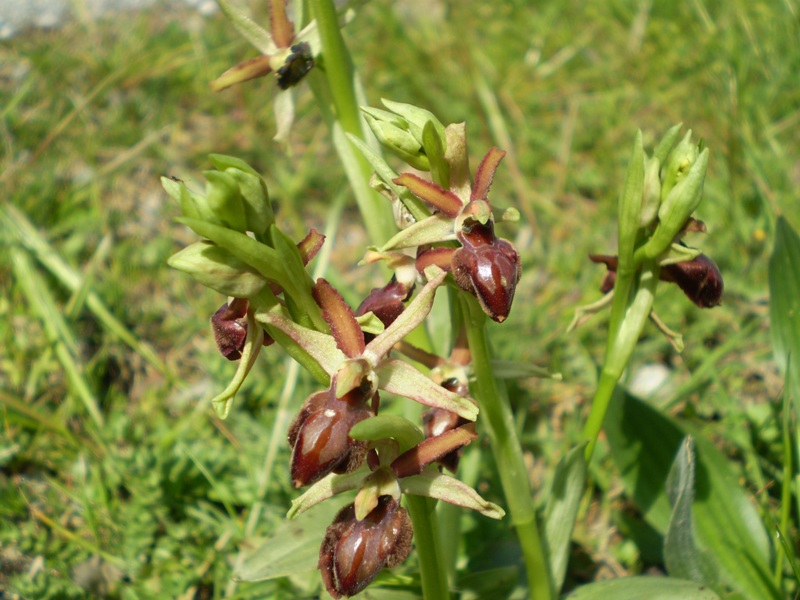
381, 427
433, 143
260, 257
436, 485
630, 205
667, 142
417, 118
252, 346
225, 200
218, 269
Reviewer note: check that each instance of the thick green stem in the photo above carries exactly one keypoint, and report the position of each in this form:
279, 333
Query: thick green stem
498, 419
433, 572
633, 300
346, 118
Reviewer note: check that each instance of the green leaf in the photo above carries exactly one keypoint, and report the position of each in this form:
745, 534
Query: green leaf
569, 484
681, 556
643, 444
381, 427
292, 548
784, 306
639, 588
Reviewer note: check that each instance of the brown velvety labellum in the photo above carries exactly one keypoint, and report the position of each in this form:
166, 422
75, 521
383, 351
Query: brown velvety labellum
230, 328
354, 552
700, 279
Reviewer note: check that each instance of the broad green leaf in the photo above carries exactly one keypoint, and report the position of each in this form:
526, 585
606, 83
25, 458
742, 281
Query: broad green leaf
728, 528
644, 588
291, 549
569, 484
784, 305
681, 556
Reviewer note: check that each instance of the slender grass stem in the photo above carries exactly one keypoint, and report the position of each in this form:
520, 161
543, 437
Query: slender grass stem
498, 419
426, 537
346, 118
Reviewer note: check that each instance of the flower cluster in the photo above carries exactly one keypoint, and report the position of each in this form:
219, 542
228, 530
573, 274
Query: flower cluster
338, 439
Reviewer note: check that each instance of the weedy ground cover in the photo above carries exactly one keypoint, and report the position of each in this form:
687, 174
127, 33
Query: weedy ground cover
119, 479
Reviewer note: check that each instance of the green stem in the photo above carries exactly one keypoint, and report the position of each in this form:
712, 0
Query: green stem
426, 537
633, 300
346, 118
498, 419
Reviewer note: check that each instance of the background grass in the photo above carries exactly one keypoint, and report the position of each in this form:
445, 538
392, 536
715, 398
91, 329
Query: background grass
118, 480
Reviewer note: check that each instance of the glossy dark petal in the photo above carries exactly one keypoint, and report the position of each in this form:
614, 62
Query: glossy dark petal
319, 435
387, 302
490, 273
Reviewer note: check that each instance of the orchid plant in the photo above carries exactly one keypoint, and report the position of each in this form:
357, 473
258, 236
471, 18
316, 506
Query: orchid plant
339, 441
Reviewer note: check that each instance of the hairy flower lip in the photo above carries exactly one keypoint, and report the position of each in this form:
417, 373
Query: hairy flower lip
353, 552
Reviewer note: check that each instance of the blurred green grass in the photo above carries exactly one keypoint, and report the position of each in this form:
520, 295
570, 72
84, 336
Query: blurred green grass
155, 501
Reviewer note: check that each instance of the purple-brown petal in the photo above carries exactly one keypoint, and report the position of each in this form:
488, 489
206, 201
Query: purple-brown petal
485, 174
441, 257
414, 460
310, 245
339, 316
441, 199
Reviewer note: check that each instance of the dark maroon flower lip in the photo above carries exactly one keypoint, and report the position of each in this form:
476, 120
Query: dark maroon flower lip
353, 552
700, 279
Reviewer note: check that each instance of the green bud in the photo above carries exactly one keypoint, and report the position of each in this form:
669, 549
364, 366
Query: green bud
651, 193
193, 206
257, 206
677, 207
393, 133
416, 118
225, 200
678, 164
218, 269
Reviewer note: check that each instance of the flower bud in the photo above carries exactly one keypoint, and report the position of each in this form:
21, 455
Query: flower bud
416, 118
255, 195
651, 193
392, 132
678, 163
218, 269
353, 552
319, 435
225, 200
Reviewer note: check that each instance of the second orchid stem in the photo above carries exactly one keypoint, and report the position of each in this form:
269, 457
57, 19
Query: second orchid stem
498, 419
